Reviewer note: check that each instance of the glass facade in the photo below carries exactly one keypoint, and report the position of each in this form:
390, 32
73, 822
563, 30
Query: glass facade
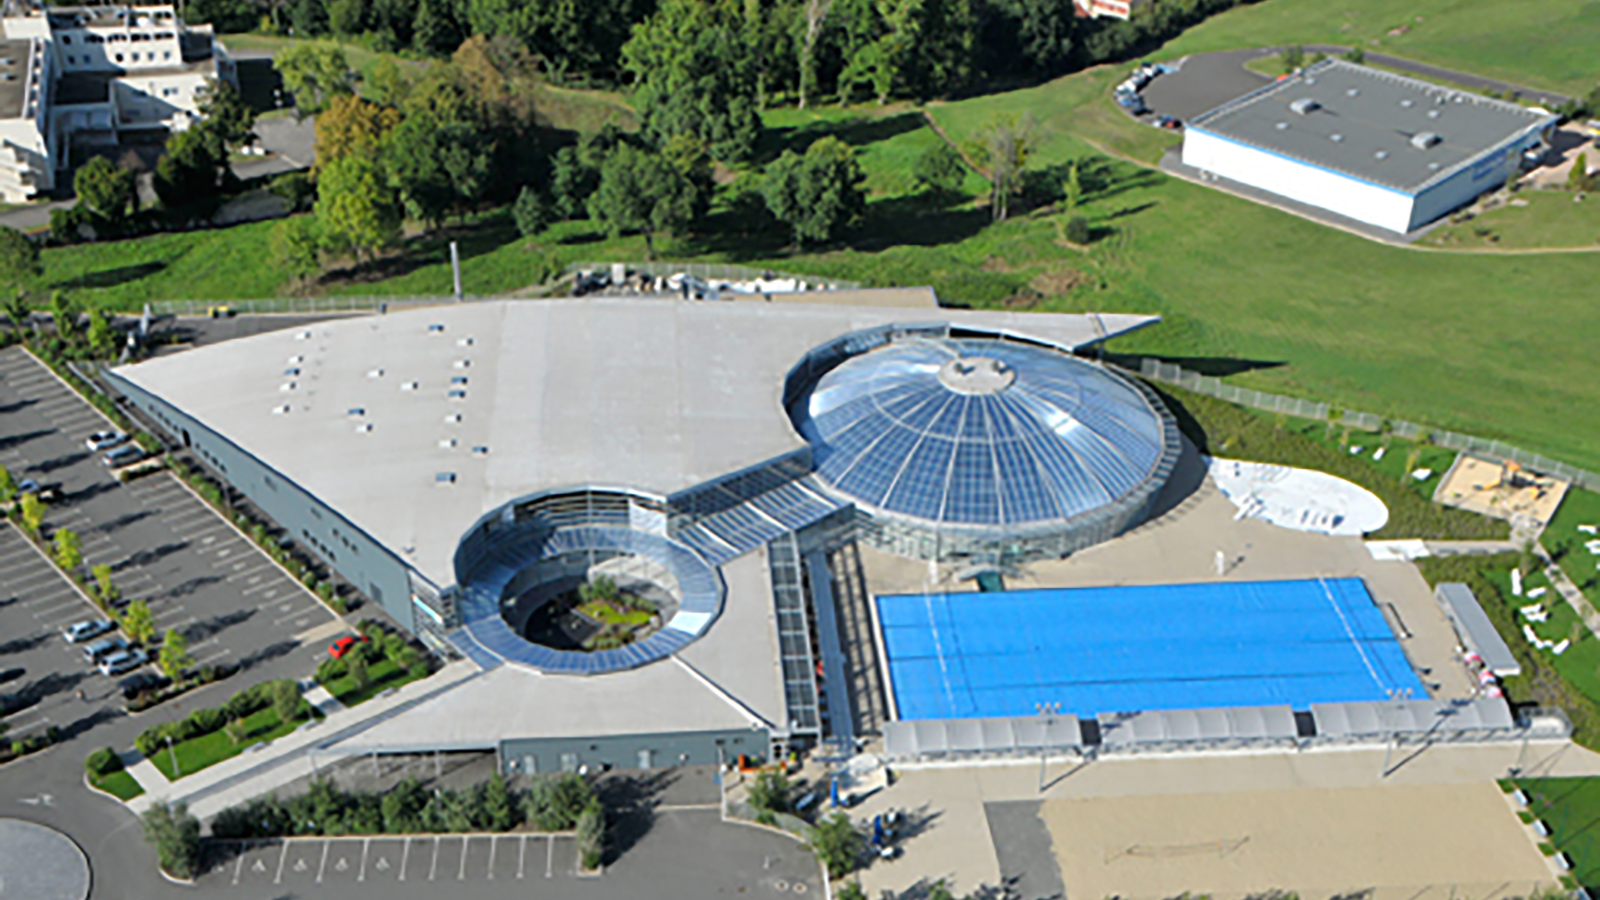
981, 447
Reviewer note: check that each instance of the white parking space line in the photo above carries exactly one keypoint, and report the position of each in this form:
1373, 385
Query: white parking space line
493, 840
405, 855
549, 856
324, 864
433, 867
462, 875
366, 844
281, 857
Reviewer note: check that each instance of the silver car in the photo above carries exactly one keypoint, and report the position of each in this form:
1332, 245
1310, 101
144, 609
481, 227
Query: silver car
104, 647
121, 661
83, 631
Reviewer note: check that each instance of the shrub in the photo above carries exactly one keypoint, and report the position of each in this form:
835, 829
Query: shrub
1077, 230
103, 762
285, 694
531, 213
176, 836
205, 721
837, 844
330, 670
940, 169
591, 834
554, 802
769, 792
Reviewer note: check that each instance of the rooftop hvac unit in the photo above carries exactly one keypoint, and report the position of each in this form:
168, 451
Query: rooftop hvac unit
1304, 106
1425, 139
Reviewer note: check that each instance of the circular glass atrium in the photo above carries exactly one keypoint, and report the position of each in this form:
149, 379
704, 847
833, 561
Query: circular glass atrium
986, 449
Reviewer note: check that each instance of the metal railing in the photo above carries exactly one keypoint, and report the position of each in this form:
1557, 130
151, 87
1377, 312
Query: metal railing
1170, 373
715, 272
296, 305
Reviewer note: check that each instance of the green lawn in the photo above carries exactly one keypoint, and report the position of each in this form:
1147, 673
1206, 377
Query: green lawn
118, 784
1551, 218
210, 749
1565, 543
1571, 807
1397, 463
1540, 43
610, 615
381, 676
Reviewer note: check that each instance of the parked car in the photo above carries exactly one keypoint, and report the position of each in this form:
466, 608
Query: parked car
98, 650
83, 631
139, 682
1168, 122
339, 648
104, 440
123, 661
123, 456
47, 493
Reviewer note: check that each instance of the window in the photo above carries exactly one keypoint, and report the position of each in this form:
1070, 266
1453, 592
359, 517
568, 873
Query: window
119, 57
166, 54
66, 39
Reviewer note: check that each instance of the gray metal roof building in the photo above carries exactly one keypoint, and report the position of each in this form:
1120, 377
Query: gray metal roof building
1476, 632
1402, 151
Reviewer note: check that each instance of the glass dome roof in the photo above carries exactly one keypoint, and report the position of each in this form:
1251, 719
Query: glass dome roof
974, 432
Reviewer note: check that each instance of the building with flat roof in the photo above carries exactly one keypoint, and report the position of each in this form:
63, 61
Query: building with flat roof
1379, 148
467, 466
84, 75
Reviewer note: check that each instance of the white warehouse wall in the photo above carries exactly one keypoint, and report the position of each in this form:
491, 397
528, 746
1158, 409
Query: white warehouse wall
1347, 196
1467, 185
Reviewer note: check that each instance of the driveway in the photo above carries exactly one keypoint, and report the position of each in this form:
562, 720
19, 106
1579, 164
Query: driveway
1203, 83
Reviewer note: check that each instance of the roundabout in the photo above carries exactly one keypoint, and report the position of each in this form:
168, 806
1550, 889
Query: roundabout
39, 863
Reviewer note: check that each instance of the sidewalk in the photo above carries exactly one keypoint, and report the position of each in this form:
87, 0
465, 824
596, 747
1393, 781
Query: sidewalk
261, 769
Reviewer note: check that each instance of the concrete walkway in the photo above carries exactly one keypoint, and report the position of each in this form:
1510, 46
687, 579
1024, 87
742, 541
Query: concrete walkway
325, 702
267, 766
149, 777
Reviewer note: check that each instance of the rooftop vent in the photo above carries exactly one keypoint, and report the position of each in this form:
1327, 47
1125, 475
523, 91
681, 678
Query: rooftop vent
374, 373
436, 328
447, 443
286, 387
1425, 139
1433, 166
296, 360
453, 418
458, 394
458, 379
444, 478
408, 386
292, 370
464, 342
1408, 103
463, 363
1282, 126
357, 411
1353, 92
280, 410
1381, 154
364, 428
1433, 114
480, 450
1336, 137
302, 336
1304, 106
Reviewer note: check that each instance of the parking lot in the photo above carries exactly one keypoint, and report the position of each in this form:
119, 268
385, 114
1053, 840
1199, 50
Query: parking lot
164, 545
687, 853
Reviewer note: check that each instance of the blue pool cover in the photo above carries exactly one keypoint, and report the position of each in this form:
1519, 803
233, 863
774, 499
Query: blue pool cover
1087, 651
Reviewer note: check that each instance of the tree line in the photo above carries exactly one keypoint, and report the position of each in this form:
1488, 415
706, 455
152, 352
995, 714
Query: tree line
796, 49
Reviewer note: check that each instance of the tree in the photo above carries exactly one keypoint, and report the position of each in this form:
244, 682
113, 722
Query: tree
31, 512
641, 191
817, 194
64, 316
356, 666
1077, 230
315, 73
104, 588
139, 622
285, 699
351, 125
8, 485
940, 169
68, 549
356, 210
837, 844
16, 306
1072, 191
20, 267
591, 829
693, 75
236, 730
224, 114
1293, 58
850, 890
1356, 55
816, 13
1005, 150
190, 175
441, 156
296, 244
770, 792
102, 335
174, 657
436, 30
176, 836
530, 212
107, 189
499, 810
1579, 178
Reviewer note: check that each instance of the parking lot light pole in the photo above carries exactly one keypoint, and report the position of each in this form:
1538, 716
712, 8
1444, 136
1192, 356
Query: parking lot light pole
176, 771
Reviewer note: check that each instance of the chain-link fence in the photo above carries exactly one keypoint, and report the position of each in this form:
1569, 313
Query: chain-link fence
290, 305
1170, 373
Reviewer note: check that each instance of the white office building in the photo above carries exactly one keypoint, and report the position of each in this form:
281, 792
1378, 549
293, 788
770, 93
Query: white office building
1381, 149
83, 76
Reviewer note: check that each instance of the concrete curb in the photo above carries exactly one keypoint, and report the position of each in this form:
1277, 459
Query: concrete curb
106, 794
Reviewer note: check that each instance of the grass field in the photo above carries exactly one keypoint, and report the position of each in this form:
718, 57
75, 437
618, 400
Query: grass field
381, 676
1540, 43
1551, 218
1571, 807
209, 749
1565, 543
118, 784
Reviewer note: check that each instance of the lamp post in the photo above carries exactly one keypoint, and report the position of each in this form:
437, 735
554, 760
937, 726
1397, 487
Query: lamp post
174, 754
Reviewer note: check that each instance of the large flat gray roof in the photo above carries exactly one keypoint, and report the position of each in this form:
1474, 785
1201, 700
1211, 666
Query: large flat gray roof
1360, 113
650, 394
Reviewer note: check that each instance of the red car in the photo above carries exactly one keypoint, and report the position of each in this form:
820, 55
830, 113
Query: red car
339, 648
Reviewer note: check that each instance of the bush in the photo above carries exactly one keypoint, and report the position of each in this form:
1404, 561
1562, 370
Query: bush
769, 792
205, 721
554, 802
940, 169
1077, 230
297, 190
330, 670
103, 762
837, 844
591, 834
